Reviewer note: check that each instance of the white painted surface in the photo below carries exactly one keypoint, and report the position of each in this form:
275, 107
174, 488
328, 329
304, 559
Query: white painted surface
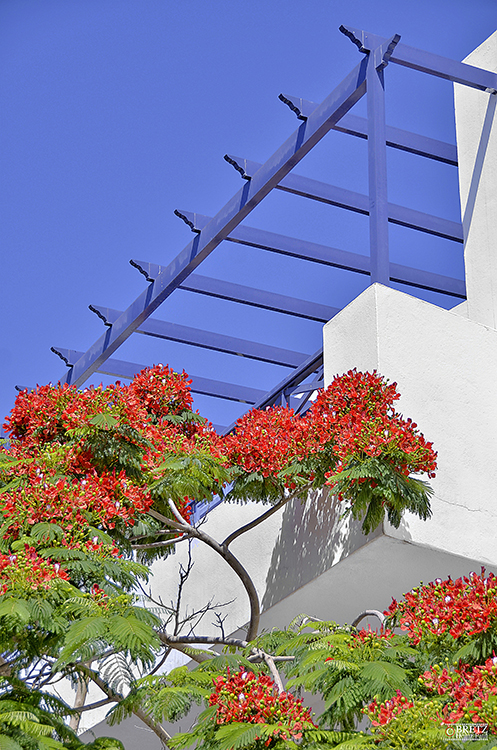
446, 370
476, 125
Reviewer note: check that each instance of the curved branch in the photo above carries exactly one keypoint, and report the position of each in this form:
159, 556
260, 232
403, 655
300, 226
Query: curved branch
113, 694
274, 672
261, 518
368, 613
168, 521
173, 640
235, 564
158, 545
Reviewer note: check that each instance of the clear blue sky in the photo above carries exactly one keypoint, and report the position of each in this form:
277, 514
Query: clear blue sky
115, 112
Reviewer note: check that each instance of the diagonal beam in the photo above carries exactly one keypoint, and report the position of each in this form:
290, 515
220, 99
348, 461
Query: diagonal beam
402, 140
246, 295
218, 389
357, 202
338, 103
426, 62
330, 256
207, 340
310, 366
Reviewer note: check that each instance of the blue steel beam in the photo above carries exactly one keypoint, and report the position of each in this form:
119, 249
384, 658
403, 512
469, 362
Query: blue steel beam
377, 163
288, 384
329, 256
357, 202
216, 388
426, 62
207, 340
310, 132
245, 295
402, 140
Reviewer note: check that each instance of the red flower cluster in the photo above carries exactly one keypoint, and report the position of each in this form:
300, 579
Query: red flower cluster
353, 418
355, 414
28, 570
371, 637
254, 699
267, 441
464, 607
383, 713
162, 391
62, 482
67, 502
468, 690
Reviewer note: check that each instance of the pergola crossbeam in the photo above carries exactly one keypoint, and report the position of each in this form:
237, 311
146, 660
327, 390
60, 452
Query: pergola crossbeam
329, 256
207, 339
246, 295
402, 140
352, 201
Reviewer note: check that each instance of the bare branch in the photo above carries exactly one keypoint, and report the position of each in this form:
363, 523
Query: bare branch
235, 564
184, 640
274, 672
158, 545
117, 697
79, 702
176, 513
97, 704
168, 521
260, 519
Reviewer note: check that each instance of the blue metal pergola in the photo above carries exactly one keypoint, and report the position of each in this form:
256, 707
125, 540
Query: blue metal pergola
305, 372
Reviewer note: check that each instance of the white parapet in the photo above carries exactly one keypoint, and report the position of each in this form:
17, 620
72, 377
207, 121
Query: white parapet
446, 370
477, 155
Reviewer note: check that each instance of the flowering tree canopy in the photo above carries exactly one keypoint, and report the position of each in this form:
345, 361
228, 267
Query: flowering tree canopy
96, 484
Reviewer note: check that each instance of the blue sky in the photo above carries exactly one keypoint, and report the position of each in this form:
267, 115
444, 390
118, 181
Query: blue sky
116, 112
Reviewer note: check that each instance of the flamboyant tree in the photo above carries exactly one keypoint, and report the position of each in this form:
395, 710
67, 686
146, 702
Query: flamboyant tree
96, 484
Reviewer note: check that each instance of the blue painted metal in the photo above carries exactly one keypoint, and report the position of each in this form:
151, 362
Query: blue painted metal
402, 140
426, 62
329, 256
377, 162
245, 295
357, 202
317, 121
271, 173
118, 368
207, 339
276, 395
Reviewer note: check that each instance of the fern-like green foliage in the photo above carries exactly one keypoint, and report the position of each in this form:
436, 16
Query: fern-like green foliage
393, 494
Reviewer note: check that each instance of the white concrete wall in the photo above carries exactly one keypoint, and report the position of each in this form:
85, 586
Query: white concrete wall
446, 370
476, 125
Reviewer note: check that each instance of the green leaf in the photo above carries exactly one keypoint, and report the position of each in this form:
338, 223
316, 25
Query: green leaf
46, 531
7, 743
104, 421
15, 608
385, 677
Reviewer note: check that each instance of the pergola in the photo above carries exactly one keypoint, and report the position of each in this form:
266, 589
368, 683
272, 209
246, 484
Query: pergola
305, 373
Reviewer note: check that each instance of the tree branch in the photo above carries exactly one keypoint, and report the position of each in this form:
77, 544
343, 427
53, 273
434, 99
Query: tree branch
157, 545
114, 695
260, 519
175, 640
235, 564
79, 702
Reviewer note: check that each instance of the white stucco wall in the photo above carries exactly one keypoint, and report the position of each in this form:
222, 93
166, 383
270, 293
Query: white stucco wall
446, 370
476, 126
